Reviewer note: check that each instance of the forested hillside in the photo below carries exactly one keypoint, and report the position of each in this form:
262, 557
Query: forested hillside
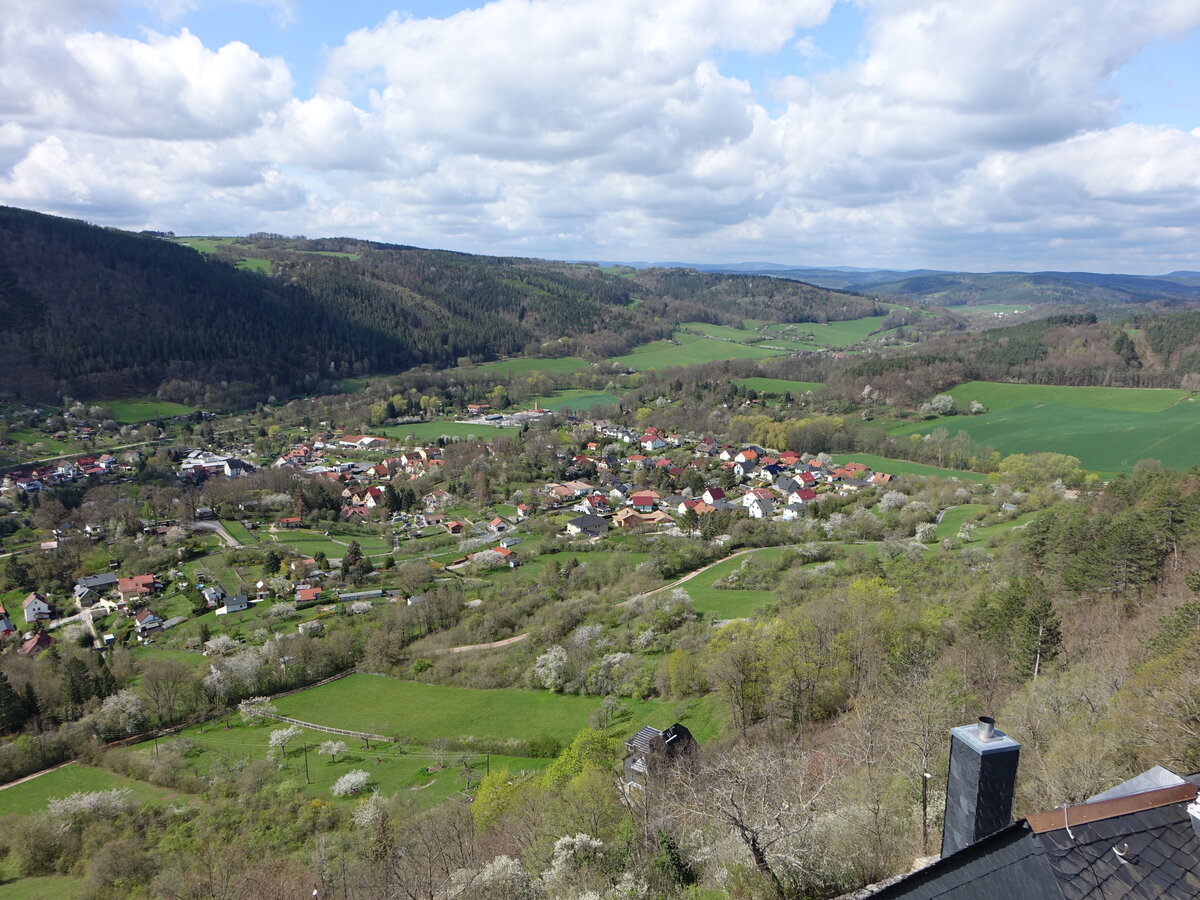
102, 313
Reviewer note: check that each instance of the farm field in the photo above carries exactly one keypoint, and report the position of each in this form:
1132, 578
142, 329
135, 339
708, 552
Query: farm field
575, 399
431, 431
143, 410
832, 335
779, 386
37, 792
426, 712
562, 365
904, 467
687, 350
1108, 429
725, 332
240, 533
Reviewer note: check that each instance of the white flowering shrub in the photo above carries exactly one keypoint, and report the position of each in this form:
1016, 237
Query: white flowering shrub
572, 853
926, 533
645, 640
370, 812
222, 644
358, 607
256, 710
85, 806
350, 783
586, 634
123, 711
892, 500
550, 667
285, 609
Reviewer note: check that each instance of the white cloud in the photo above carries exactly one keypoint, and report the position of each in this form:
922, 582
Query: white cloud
966, 135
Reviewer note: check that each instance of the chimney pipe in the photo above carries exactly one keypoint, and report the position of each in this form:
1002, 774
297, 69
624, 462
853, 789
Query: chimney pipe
980, 784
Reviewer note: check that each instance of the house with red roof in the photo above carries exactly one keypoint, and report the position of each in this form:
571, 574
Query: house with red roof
37, 643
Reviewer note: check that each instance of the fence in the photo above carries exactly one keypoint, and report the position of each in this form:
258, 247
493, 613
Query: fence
325, 728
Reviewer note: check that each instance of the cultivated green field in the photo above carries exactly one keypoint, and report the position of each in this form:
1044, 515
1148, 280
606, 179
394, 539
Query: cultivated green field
1108, 429
687, 350
724, 332
779, 386
431, 431
240, 533
308, 542
575, 399
426, 712
145, 409
904, 467
563, 365
32, 795
831, 335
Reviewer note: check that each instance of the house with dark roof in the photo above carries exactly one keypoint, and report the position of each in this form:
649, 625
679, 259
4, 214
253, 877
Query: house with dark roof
1140, 839
650, 748
587, 525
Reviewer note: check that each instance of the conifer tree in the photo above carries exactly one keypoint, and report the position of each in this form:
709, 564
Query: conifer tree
1038, 638
12, 709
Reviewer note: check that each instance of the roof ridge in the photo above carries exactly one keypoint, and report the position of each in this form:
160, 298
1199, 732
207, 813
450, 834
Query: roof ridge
1066, 816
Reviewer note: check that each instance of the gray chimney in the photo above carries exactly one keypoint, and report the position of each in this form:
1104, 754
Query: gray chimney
980, 784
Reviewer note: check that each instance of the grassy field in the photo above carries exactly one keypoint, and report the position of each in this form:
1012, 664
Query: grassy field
955, 516
904, 467
576, 399
34, 794
717, 603
1108, 429
563, 365
308, 542
741, 335
779, 386
831, 335
255, 264
47, 887
687, 350
431, 431
240, 533
426, 712
144, 409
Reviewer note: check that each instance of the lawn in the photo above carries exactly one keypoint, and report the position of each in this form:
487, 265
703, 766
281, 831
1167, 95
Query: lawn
309, 543
423, 713
144, 409
1108, 429
904, 467
33, 795
687, 350
431, 431
575, 399
779, 386
562, 365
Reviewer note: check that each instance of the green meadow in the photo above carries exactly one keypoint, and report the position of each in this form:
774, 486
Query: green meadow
431, 431
954, 517
422, 713
724, 332
688, 350
575, 399
562, 365
34, 794
830, 335
1108, 429
904, 467
144, 409
719, 603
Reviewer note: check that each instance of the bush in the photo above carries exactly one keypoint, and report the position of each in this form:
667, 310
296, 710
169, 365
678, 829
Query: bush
350, 783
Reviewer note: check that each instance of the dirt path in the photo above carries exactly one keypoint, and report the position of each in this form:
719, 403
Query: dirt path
690, 575
466, 648
5, 787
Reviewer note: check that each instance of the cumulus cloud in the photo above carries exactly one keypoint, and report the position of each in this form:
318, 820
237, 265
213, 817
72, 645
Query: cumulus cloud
965, 135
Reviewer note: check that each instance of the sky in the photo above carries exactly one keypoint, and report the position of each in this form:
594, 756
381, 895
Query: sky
948, 134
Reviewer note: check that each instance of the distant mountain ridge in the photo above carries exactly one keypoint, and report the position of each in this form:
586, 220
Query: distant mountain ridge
99, 312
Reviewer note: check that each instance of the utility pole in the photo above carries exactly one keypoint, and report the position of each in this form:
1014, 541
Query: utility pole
925, 813
156, 746
306, 781
489, 762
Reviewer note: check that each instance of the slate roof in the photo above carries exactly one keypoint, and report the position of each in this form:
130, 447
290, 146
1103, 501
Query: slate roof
1159, 854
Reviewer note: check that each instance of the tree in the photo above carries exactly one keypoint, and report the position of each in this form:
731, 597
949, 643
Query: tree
352, 557
1038, 639
77, 687
333, 749
167, 683
350, 783
737, 666
270, 564
13, 713
279, 739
